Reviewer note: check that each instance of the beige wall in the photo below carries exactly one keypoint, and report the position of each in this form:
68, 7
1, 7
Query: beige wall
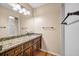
49, 16
27, 21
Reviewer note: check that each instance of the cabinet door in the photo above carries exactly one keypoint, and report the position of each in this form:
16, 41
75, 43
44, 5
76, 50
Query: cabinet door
28, 52
18, 50
9, 53
35, 47
36, 40
2, 54
27, 45
21, 54
38, 45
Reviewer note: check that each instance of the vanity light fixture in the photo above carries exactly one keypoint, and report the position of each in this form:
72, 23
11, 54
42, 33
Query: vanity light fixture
17, 7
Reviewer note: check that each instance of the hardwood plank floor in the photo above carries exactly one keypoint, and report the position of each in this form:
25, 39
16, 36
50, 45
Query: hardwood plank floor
41, 53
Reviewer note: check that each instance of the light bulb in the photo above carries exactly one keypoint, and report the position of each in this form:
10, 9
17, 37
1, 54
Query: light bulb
20, 11
12, 5
28, 12
24, 13
15, 9
24, 10
18, 6
11, 17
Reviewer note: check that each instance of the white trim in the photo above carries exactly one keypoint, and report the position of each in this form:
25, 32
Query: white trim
53, 53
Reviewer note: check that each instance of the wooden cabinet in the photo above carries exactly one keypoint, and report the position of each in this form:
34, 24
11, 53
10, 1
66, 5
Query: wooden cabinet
25, 49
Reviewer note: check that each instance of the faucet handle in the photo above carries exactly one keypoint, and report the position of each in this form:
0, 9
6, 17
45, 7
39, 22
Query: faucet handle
0, 47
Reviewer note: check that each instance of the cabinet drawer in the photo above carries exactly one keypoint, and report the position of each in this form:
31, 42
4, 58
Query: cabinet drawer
34, 47
37, 46
27, 45
36, 40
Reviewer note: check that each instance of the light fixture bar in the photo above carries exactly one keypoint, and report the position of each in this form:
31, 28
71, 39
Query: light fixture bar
19, 8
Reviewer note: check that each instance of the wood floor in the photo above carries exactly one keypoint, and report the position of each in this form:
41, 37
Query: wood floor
41, 53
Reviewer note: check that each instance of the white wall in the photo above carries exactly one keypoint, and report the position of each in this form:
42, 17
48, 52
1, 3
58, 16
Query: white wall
49, 16
72, 31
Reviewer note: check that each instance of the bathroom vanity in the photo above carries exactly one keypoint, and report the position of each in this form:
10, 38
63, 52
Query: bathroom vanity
21, 46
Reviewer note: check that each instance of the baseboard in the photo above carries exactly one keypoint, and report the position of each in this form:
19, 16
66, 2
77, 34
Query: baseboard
52, 53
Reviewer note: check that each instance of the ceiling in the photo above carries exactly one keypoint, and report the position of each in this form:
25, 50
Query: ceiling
35, 5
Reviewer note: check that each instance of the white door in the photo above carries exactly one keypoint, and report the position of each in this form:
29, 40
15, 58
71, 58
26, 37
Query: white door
72, 31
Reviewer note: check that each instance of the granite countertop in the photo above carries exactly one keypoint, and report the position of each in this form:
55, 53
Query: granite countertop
8, 44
